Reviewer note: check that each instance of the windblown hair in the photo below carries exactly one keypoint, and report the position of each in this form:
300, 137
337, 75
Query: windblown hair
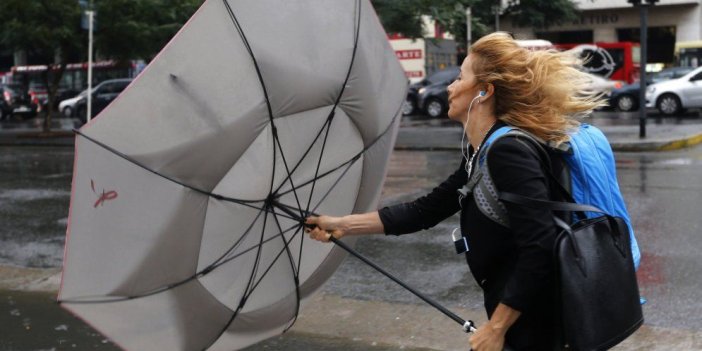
540, 91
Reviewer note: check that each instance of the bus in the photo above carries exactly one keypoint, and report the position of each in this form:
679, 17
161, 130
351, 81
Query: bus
620, 61
74, 79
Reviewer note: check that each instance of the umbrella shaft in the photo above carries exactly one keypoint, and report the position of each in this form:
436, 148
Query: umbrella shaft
468, 326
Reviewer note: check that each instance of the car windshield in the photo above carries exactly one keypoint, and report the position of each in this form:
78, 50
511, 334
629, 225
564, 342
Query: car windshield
671, 73
446, 75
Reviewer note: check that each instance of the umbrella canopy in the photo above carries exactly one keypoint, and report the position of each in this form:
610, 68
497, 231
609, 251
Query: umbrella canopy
188, 191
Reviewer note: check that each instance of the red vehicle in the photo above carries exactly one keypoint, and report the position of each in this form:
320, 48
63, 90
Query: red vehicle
616, 61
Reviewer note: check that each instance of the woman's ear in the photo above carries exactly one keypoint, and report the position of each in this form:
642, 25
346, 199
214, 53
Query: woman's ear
489, 90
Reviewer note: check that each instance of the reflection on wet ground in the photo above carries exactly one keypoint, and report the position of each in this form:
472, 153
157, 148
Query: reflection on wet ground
663, 192
35, 189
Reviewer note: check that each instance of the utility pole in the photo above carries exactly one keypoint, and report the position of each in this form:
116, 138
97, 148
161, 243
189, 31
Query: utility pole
643, 38
89, 110
469, 36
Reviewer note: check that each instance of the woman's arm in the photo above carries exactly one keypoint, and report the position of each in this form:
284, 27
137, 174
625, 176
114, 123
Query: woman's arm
422, 213
491, 336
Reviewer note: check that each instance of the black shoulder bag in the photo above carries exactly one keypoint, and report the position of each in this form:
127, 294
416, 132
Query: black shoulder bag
599, 302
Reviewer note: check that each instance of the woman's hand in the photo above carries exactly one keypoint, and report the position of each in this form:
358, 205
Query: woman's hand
325, 227
491, 336
488, 338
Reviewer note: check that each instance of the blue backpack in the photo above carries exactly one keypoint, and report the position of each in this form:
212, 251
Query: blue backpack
591, 172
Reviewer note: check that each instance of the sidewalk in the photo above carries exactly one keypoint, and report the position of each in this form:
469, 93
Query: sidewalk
328, 321
659, 137
623, 133
29, 132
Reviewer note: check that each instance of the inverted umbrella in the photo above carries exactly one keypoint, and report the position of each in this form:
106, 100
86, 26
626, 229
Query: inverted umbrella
188, 191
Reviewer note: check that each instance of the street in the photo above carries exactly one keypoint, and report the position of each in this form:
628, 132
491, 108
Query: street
663, 191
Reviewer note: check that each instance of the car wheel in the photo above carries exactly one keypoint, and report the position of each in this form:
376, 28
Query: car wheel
669, 104
408, 107
434, 108
67, 112
626, 103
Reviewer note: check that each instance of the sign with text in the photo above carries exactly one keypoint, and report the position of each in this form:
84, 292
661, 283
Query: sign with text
408, 54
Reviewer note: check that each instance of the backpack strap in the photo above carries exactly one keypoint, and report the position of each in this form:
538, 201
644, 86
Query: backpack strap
487, 198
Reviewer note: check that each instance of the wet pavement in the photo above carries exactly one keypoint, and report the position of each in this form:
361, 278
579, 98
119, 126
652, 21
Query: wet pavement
663, 191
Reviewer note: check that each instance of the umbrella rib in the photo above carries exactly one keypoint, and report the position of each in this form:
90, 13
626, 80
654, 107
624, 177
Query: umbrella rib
240, 30
327, 123
231, 258
242, 202
198, 274
355, 157
258, 282
338, 99
296, 271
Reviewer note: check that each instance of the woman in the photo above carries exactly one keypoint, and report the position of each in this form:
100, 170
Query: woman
500, 84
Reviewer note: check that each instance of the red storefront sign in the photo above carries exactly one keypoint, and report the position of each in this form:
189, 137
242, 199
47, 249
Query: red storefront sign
408, 54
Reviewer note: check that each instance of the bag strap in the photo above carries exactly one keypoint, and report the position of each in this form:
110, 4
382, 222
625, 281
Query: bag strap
545, 159
551, 205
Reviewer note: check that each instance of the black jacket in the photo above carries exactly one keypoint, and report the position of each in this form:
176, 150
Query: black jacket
513, 266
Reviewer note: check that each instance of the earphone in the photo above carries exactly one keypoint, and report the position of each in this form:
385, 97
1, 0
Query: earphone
481, 93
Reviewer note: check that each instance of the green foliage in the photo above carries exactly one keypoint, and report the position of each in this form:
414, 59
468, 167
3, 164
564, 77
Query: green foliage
404, 16
41, 27
126, 29
130, 29
542, 13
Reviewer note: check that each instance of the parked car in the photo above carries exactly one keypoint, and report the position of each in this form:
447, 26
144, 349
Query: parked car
13, 102
626, 98
102, 95
39, 96
67, 107
603, 85
430, 95
673, 96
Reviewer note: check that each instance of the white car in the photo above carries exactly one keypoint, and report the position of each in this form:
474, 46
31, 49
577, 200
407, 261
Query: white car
603, 85
68, 106
672, 96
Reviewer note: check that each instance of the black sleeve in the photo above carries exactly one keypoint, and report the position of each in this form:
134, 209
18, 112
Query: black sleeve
426, 211
515, 167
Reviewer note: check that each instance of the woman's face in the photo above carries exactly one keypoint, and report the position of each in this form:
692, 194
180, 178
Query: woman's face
461, 92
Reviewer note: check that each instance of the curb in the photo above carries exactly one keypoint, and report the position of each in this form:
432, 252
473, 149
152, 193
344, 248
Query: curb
411, 140
658, 145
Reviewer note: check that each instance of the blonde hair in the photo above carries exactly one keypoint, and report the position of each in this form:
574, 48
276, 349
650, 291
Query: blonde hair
541, 92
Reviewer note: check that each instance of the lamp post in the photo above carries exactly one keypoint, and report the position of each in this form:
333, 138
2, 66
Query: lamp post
469, 36
643, 12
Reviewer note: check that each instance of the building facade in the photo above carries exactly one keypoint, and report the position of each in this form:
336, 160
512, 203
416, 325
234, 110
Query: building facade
670, 22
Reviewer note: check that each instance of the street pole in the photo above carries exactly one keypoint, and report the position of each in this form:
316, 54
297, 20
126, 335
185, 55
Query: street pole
90, 14
643, 11
497, 17
469, 36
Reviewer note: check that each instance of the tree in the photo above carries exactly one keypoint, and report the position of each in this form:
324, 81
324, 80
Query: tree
131, 29
126, 30
404, 16
48, 29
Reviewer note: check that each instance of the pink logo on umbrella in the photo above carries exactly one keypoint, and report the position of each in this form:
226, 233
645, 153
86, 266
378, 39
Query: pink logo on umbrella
104, 196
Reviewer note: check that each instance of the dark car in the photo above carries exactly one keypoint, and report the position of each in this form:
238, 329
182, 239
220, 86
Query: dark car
103, 94
429, 95
14, 102
626, 98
